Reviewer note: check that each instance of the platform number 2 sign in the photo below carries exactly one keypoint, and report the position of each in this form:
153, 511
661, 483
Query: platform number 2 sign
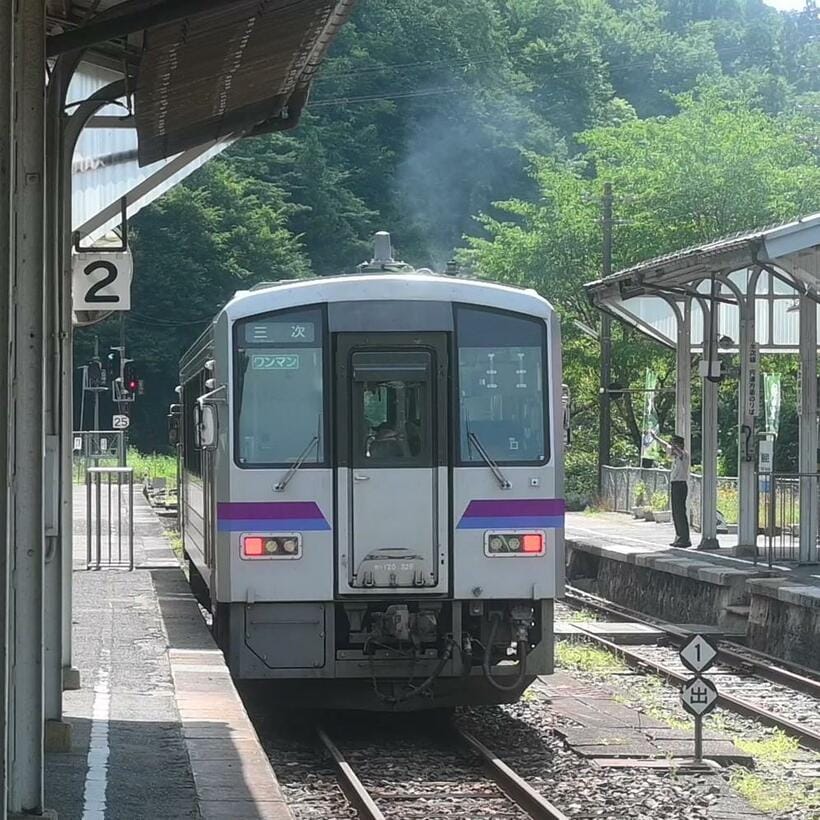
102, 281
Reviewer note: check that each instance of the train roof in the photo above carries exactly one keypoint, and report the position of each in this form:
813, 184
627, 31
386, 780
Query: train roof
392, 286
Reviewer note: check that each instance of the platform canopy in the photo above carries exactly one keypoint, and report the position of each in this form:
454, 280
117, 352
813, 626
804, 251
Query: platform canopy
774, 266
202, 70
748, 293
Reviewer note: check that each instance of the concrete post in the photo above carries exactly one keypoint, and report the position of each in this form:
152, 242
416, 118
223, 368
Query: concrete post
25, 792
749, 399
6, 186
57, 736
709, 434
808, 430
683, 375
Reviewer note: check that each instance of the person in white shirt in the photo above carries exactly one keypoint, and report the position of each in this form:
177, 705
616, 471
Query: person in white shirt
679, 481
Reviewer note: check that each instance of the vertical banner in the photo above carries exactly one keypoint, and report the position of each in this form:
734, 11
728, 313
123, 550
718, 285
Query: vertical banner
753, 396
649, 447
772, 398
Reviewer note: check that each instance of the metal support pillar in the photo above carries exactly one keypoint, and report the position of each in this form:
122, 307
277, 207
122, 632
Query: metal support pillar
709, 435
808, 430
6, 240
749, 397
25, 790
683, 376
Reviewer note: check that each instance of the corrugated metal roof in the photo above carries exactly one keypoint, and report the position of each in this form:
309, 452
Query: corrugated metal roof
733, 251
232, 68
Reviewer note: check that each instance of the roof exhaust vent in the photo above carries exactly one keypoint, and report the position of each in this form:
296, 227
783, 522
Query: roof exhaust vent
383, 261
382, 249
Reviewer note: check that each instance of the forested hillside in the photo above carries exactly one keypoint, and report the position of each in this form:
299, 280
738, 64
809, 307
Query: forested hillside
485, 129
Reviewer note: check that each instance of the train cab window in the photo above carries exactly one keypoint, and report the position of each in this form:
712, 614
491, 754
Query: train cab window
279, 400
501, 385
392, 409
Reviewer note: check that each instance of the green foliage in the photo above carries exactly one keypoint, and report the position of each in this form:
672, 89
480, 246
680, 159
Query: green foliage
641, 493
427, 115
659, 501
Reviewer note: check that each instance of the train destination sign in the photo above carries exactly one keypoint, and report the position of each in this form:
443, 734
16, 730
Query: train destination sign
282, 333
699, 696
698, 654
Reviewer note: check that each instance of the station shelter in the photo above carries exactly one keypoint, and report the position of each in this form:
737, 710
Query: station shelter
747, 294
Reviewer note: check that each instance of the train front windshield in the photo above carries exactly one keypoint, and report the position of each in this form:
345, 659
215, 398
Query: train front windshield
498, 404
280, 389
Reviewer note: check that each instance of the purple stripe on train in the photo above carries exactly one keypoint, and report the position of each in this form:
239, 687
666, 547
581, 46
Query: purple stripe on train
284, 515
516, 513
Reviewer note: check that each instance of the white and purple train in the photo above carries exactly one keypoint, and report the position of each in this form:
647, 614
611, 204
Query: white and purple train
371, 486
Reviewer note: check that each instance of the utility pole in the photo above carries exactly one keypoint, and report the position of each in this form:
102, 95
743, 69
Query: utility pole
605, 413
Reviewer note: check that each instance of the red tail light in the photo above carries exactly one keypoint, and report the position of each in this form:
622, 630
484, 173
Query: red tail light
253, 545
533, 542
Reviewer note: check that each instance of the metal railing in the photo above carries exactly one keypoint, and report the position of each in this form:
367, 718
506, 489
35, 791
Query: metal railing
96, 448
780, 513
109, 517
625, 488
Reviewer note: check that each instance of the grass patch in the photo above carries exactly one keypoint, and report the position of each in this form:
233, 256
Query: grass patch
583, 616
769, 795
778, 748
176, 542
586, 658
153, 466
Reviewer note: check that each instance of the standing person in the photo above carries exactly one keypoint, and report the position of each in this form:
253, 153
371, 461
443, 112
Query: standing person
679, 480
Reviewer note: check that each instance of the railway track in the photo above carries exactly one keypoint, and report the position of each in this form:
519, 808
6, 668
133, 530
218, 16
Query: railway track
754, 685
478, 784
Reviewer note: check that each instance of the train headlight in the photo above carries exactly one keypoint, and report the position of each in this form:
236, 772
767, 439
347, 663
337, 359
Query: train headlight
516, 543
290, 546
271, 546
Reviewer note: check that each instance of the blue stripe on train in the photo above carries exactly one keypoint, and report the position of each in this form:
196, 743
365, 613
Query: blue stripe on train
509, 522
271, 525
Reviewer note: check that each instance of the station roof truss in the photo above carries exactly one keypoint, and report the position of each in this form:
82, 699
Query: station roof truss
771, 267
201, 71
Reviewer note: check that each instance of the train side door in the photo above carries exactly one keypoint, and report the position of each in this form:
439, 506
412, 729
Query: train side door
392, 481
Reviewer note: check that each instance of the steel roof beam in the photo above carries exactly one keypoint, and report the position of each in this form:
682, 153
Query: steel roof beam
129, 18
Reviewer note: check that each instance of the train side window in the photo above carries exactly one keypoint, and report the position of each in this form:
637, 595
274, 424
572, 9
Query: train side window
501, 386
192, 455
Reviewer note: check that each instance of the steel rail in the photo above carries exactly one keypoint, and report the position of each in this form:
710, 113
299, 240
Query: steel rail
515, 787
764, 666
805, 736
352, 787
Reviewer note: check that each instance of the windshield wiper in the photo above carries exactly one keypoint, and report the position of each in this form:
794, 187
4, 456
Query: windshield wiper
296, 465
502, 480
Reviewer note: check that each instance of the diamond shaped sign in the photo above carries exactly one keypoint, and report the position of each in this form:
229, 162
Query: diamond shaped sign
698, 654
699, 696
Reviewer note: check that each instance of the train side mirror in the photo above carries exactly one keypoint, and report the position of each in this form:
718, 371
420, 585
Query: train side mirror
206, 426
173, 424
566, 420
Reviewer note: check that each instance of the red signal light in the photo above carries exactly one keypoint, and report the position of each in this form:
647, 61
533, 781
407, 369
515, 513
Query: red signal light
533, 542
253, 546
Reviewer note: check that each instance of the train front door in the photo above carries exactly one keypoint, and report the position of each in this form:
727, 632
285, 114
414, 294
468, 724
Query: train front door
392, 462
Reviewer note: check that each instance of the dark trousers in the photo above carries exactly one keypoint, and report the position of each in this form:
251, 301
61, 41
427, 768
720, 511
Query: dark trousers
680, 490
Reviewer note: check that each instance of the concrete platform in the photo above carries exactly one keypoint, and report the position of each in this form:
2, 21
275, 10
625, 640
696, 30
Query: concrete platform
623, 633
158, 731
629, 562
